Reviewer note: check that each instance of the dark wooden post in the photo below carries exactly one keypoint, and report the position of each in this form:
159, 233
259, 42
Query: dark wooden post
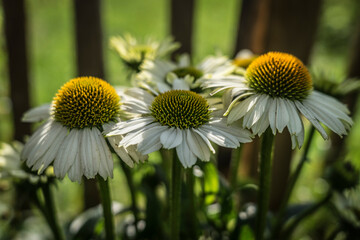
89, 63
182, 15
15, 34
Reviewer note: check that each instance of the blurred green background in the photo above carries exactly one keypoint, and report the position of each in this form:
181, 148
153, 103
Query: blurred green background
51, 49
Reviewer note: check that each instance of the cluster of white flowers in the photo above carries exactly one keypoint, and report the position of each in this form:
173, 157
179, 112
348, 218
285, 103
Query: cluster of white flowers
169, 108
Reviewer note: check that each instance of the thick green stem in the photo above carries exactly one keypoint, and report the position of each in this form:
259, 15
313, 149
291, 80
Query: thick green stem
290, 187
191, 222
107, 212
234, 166
130, 182
264, 185
51, 214
175, 197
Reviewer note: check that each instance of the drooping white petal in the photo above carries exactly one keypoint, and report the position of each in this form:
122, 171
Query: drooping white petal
52, 151
309, 115
197, 145
242, 108
106, 163
68, 154
171, 138
206, 140
32, 143
121, 128
37, 114
282, 116
186, 157
75, 172
151, 139
44, 143
272, 114
135, 137
89, 153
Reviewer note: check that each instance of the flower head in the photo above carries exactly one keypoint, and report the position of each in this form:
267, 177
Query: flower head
166, 75
179, 119
71, 137
275, 90
134, 53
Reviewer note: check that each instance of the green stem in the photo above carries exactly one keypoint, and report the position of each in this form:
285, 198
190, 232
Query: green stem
290, 187
264, 185
291, 227
235, 161
107, 212
191, 223
50, 212
128, 175
175, 197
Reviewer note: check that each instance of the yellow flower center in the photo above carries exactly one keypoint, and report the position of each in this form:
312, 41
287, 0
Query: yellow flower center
182, 72
279, 75
180, 108
86, 102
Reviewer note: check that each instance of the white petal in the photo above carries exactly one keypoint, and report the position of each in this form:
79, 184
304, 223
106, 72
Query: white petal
206, 140
151, 140
130, 125
89, 153
198, 146
282, 116
106, 165
171, 138
68, 154
309, 115
186, 157
45, 143
242, 108
75, 172
180, 84
272, 114
52, 151
37, 114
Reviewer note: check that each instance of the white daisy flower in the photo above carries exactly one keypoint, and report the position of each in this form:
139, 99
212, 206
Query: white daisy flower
177, 119
275, 92
71, 138
134, 53
243, 58
165, 75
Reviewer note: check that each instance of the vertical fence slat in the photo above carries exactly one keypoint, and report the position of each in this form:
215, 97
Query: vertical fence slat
89, 38
89, 63
15, 34
182, 15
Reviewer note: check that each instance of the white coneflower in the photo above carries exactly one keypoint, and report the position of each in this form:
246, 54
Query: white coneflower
178, 119
276, 91
71, 138
165, 75
133, 53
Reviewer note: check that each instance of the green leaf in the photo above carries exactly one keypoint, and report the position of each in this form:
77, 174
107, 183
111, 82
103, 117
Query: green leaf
211, 182
246, 233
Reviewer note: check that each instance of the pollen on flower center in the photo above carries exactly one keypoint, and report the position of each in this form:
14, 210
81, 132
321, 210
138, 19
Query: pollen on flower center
279, 75
180, 108
85, 102
182, 72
